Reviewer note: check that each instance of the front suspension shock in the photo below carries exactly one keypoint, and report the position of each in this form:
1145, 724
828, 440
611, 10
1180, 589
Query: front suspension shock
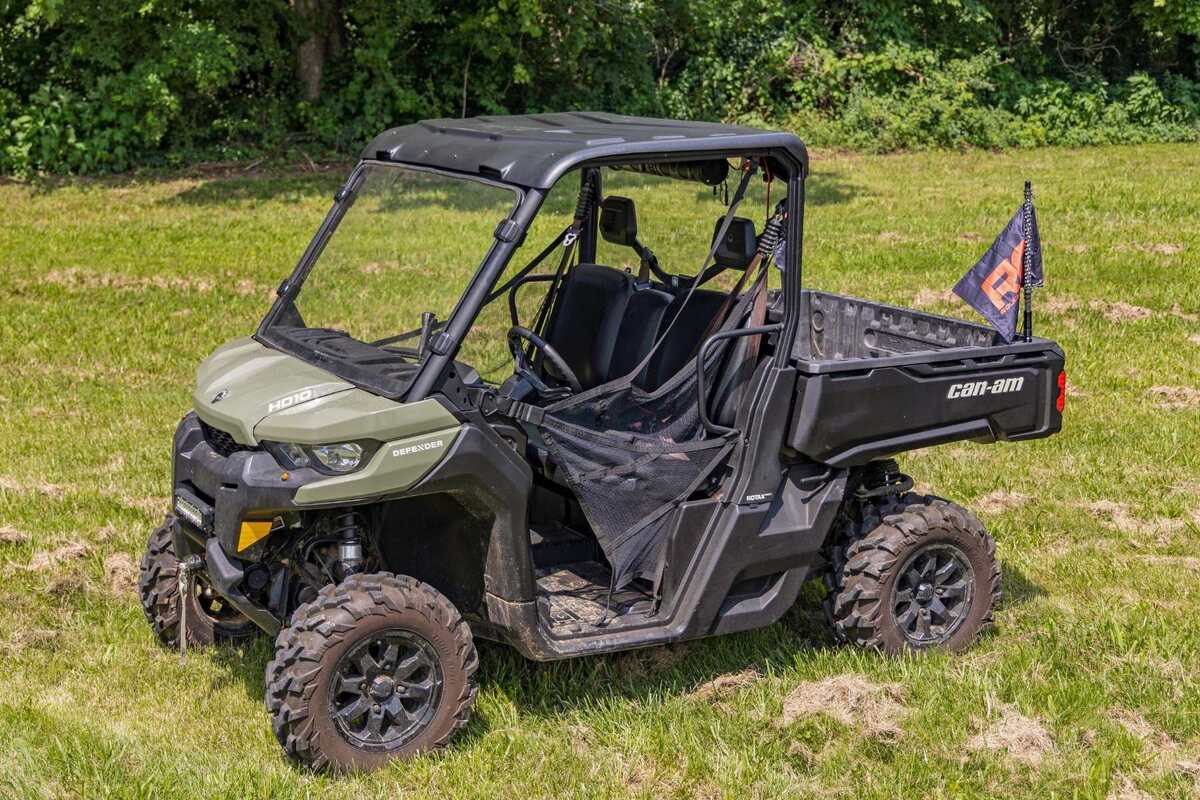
349, 528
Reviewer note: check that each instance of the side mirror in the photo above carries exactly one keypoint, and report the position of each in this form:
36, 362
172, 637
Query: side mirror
618, 221
739, 244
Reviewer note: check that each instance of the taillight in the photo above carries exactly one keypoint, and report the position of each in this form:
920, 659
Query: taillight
1062, 391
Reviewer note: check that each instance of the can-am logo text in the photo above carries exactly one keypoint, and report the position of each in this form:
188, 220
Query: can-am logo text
980, 388
416, 448
289, 401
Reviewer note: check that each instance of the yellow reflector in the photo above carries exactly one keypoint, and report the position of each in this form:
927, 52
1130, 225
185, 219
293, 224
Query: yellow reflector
252, 531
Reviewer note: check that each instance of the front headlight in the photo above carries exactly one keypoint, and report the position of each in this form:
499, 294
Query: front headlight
293, 455
338, 458
344, 457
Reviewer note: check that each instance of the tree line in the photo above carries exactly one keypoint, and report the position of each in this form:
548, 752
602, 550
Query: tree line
110, 84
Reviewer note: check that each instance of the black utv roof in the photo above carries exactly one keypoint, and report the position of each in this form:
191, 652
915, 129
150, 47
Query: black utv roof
536, 149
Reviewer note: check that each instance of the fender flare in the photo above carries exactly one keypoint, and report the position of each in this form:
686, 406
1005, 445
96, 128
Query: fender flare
482, 464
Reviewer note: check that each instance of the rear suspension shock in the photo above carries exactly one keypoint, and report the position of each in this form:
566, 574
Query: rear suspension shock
772, 233
882, 478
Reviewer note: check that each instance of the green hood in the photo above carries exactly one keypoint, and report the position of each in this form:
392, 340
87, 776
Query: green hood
243, 382
266, 394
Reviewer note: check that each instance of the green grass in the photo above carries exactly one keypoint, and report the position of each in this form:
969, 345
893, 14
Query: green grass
111, 292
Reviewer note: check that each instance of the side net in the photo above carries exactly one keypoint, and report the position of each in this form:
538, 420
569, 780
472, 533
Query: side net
631, 455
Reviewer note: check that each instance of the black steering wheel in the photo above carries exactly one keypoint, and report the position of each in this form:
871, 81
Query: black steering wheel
515, 336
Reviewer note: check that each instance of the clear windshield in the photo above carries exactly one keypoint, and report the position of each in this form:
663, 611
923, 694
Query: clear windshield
408, 243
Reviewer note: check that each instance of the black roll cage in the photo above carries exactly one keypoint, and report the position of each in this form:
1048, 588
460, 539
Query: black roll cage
497, 261
508, 238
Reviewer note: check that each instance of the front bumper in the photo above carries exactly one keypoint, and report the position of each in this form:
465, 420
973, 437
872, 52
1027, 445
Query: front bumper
213, 494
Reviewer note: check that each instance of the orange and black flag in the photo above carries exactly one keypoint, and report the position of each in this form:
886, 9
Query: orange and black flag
993, 286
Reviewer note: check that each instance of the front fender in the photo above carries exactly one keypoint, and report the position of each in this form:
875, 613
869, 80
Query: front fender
485, 466
395, 467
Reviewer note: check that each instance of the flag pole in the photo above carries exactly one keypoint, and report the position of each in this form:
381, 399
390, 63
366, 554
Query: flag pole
1027, 259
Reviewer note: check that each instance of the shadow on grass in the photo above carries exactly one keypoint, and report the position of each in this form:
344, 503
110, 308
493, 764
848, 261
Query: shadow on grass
1017, 587
275, 176
255, 189
828, 188
550, 689
650, 675
413, 192
244, 664
226, 182
655, 673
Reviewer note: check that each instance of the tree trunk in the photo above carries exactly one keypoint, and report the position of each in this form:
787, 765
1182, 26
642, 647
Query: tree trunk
321, 20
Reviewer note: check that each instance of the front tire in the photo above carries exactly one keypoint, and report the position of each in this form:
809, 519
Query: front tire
378, 667
209, 619
910, 574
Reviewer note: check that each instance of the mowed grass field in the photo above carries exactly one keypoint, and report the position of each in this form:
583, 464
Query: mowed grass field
112, 291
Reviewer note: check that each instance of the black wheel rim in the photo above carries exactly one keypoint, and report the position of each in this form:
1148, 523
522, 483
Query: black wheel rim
385, 689
933, 594
213, 606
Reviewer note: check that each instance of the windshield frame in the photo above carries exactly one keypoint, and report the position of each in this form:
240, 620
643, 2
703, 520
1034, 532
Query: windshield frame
268, 333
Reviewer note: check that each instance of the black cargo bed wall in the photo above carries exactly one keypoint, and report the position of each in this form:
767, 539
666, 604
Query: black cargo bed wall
838, 327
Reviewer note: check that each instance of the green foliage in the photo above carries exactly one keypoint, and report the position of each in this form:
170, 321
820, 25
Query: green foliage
110, 85
104, 86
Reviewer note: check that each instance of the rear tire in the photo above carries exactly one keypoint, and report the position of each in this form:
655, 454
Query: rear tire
209, 618
912, 573
378, 667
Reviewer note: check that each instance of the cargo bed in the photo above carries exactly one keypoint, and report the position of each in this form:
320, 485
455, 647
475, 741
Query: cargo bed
877, 379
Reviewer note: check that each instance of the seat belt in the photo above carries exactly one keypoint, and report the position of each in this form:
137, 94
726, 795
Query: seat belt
719, 318
758, 309
772, 237
758, 315
528, 268
544, 309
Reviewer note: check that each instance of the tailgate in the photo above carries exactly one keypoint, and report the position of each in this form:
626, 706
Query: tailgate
857, 411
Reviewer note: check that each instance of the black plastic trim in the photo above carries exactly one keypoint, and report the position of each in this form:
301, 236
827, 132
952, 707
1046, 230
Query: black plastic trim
738, 542
484, 465
245, 484
887, 406
226, 577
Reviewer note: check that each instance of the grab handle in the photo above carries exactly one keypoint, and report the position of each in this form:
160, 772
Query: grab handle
708, 424
512, 293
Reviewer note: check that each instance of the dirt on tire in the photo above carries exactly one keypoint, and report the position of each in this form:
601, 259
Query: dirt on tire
158, 588
341, 616
868, 553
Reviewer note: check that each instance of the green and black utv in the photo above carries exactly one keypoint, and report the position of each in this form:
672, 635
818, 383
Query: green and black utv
672, 441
